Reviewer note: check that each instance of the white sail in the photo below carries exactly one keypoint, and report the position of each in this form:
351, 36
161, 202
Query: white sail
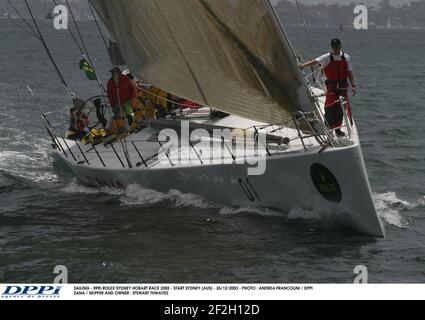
230, 55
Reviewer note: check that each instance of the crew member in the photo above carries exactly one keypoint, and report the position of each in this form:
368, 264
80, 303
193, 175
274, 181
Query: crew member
339, 72
145, 98
121, 93
135, 103
79, 123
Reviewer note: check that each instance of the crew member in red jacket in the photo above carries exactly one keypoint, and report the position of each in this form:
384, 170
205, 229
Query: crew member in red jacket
121, 93
339, 72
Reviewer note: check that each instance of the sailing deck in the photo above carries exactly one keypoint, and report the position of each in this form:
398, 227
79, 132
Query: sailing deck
148, 150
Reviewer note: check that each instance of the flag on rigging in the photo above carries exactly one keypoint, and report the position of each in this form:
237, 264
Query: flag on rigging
86, 67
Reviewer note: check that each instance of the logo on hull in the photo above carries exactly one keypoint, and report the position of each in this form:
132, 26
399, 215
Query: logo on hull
326, 183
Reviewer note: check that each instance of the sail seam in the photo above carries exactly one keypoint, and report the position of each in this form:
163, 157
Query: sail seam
192, 72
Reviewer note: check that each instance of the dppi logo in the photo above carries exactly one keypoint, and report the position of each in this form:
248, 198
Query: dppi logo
31, 291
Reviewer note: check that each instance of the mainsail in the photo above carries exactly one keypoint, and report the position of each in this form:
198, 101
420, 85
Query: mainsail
230, 55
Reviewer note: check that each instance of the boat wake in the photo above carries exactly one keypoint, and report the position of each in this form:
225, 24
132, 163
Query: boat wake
266, 212
76, 187
135, 195
33, 163
388, 205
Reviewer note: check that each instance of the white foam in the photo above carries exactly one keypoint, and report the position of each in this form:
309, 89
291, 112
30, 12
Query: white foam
388, 206
251, 210
306, 214
76, 187
135, 195
5, 156
419, 203
189, 199
32, 165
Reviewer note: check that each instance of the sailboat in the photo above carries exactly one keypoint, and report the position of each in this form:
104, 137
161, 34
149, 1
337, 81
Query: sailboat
233, 57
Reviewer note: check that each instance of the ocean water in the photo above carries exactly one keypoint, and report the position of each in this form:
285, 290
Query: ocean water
47, 218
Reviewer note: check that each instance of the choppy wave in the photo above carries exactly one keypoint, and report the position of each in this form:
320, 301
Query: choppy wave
76, 187
252, 210
33, 164
136, 195
9, 181
388, 205
296, 213
315, 214
390, 208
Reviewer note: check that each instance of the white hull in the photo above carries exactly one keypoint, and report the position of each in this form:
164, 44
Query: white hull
287, 183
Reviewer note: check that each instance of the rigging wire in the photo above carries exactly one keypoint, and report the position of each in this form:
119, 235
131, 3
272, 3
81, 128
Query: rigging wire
21, 16
78, 30
49, 53
72, 35
101, 34
305, 27
7, 15
97, 24
105, 23
307, 33
102, 89
315, 80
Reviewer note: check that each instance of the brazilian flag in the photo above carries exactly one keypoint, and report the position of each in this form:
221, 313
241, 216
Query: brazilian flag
86, 67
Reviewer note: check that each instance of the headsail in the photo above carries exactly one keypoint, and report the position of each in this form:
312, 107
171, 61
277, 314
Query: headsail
227, 54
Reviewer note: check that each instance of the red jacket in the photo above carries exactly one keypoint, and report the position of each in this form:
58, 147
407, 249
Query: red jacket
127, 91
336, 73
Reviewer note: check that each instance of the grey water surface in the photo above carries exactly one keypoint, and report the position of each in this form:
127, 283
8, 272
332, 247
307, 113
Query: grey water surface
47, 218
